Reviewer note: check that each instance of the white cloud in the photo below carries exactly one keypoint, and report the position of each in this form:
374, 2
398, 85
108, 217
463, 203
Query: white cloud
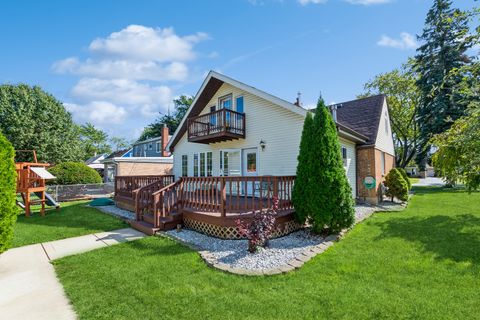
128, 76
126, 69
406, 41
306, 2
368, 2
150, 44
98, 112
141, 97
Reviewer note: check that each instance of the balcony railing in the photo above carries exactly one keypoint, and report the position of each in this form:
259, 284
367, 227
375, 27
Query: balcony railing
220, 125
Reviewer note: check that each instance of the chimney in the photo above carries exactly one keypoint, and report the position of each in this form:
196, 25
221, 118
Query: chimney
297, 102
333, 110
165, 134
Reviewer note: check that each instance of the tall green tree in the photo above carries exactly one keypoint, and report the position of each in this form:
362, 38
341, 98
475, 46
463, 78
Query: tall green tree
446, 39
30, 118
95, 141
327, 193
302, 188
458, 154
403, 98
8, 212
172, 121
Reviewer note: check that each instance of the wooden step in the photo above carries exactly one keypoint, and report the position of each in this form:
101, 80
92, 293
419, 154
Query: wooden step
144, 227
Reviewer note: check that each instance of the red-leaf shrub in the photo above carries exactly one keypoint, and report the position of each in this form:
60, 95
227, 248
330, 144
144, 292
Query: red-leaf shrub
259, 230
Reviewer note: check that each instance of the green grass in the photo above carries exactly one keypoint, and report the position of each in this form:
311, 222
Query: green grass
422, 263
414, 180
73, 219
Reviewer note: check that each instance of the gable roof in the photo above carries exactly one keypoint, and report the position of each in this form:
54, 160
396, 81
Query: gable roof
118, 153
362, 116
211, 84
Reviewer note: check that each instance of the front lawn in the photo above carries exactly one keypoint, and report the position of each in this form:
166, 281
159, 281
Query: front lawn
73, 219
422, 263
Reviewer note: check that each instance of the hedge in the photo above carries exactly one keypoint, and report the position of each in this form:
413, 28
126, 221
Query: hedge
8, 185
74, 173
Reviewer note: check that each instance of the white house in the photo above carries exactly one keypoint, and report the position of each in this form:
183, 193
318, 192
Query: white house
233, 129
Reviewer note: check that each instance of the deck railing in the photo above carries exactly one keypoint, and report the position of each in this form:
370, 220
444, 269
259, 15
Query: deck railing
223, 121
126, 185
213, 195
236, 194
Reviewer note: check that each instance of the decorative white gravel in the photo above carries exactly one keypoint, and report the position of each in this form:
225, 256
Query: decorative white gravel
116, 211
235, 254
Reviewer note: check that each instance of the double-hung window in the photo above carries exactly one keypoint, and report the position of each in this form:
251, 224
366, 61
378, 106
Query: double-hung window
344, 156
158, 147
184, 165
203, 164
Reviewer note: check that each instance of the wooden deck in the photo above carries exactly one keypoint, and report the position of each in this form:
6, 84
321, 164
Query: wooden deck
207, 204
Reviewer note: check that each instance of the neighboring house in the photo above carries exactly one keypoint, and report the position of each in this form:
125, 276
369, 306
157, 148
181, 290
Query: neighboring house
233, 129
95, 162
154, 147
123, 163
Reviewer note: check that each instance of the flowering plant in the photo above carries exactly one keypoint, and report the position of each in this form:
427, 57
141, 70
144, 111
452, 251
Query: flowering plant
259, 230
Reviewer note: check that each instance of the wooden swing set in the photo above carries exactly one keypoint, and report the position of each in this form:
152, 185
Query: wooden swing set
31, 177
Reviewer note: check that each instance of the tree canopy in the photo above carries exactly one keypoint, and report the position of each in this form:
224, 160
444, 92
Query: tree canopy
181, 105
30, 118
446, 39
95, 141
403, 99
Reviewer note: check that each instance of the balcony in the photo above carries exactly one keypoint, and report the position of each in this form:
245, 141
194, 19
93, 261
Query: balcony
217, 126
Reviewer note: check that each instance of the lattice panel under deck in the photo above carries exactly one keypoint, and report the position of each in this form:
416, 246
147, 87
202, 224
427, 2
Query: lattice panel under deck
232, 232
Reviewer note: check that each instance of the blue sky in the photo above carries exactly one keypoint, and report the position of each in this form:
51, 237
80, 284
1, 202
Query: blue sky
118, 63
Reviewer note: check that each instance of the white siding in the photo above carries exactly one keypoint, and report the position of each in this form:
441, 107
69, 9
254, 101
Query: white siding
384, 134
279, 128
351, 168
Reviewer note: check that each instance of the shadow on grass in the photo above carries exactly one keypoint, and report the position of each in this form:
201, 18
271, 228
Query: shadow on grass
448, 237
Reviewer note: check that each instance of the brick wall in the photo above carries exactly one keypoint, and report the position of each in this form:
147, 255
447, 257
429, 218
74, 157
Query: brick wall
139, 169
369, 163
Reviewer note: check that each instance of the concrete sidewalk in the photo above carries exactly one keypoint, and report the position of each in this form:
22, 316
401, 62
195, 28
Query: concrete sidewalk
29, 288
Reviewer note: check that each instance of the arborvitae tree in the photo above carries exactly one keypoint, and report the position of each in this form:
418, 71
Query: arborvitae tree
8, 212
397, 187
327, 196
445, 40
405, 177
303, 209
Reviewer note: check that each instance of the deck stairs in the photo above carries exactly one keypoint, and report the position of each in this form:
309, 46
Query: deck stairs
156, 202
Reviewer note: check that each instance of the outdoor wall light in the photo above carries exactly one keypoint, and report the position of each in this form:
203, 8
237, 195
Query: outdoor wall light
262, 144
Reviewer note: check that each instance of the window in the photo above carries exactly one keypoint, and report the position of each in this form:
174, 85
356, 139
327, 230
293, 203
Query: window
150, 147
209, 164
195, 165
213, 117
252, 162
344, 156
184, 165
225, 102
239, 102
224, 163
202, 164
158, 147
383, 163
